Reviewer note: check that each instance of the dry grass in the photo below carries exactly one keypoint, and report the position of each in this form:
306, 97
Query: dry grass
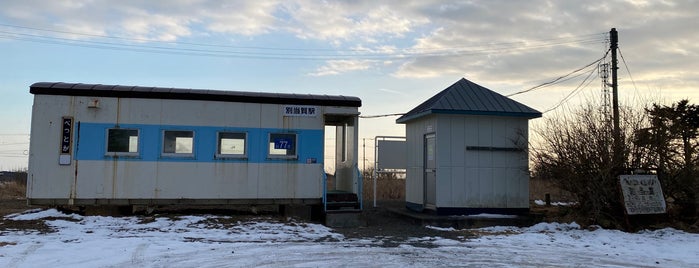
386, 189
12, 189
539, 188
391, 188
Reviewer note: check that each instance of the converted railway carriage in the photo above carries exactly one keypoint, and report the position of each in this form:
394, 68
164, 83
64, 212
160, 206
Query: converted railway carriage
129, 145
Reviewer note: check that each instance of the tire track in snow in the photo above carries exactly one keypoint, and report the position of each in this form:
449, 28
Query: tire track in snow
16, 261
138, 256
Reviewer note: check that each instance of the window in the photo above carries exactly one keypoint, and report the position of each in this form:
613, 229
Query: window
178, 142
282, 145
231, 144
122, 141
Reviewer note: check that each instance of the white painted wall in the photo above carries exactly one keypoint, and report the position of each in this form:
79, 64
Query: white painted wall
415, 135
471, 178
135, 179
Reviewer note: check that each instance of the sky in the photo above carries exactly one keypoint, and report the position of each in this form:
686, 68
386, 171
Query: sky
391, 54
223, 241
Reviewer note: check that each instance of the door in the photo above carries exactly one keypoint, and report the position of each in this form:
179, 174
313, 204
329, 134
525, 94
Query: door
430, 160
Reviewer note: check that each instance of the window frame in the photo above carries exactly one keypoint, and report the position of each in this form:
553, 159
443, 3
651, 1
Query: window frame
127, 154
220, 155
175, 154
280, 156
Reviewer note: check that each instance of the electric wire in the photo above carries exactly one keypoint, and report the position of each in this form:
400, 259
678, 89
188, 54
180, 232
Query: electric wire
560, 78
335, 55
407, 54
577, 90
158, 41
628, 71
380, 115
296, 54
581, 39
18, 143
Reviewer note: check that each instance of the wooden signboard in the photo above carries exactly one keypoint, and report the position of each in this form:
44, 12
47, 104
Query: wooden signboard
642, 194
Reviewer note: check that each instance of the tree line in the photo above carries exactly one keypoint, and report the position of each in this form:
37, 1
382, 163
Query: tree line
576, 153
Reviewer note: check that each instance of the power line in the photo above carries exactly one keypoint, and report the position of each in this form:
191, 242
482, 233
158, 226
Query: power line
628, 71
379, 115
14, 156
560, 78
581, 39
158, 41
295, 54
577, 90
17, 143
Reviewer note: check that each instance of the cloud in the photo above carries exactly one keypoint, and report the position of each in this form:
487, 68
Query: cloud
391, 91
517, 42
335, 67
507, 41
154, 27
240, 17
343, 21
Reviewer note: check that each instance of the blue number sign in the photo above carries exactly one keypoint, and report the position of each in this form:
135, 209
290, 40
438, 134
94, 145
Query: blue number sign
283, 143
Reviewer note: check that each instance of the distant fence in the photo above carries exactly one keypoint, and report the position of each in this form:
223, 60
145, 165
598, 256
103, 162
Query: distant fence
389, 157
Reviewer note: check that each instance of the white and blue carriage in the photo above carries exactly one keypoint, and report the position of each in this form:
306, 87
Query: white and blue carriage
129, 145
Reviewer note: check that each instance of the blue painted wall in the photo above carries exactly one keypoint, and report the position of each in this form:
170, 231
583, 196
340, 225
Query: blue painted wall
92, 137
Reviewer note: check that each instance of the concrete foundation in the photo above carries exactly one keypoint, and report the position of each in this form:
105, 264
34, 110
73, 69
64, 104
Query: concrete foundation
344, 219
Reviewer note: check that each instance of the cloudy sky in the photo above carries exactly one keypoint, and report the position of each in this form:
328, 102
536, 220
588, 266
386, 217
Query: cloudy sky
391, 54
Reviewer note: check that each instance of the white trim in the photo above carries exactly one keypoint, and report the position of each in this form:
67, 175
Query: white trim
244, 155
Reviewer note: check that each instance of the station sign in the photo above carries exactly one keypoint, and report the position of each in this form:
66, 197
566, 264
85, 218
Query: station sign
300, 110
66, 140
642, 194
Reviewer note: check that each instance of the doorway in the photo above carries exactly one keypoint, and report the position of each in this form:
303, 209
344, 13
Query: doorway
430, 173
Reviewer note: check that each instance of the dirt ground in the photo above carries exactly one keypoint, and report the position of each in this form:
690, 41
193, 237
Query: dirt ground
17, 205
393, 229
380, 224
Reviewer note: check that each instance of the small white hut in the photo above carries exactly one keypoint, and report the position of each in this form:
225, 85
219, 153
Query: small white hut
467, 152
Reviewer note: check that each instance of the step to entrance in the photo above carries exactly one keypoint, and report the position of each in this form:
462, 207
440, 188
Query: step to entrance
344, 218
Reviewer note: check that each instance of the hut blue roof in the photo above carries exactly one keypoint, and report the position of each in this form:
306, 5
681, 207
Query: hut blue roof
468, 98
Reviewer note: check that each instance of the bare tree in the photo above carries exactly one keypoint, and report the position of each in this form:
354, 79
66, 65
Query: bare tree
671, 144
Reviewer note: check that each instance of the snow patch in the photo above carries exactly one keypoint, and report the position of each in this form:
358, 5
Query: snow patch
562, 204
216, 241
448, 229
36, 214
493, 216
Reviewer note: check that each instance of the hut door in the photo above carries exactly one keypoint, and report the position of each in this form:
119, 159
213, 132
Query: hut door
430, 186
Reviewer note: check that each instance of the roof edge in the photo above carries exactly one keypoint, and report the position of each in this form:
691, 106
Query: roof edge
116, 91
405, 119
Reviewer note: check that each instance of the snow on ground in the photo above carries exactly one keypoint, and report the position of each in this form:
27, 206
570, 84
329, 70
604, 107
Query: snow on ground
540, 202
219, 241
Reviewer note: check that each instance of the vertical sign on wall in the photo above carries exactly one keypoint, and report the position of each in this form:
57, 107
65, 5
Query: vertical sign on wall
66, 140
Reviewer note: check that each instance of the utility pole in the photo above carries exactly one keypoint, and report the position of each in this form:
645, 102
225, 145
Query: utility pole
616, 132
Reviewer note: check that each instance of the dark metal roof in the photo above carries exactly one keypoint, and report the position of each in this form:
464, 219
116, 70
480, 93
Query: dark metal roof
117, 91
468, 98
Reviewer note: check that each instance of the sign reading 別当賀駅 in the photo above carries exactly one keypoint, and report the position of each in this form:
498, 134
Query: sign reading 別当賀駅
300, 110
642, 194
